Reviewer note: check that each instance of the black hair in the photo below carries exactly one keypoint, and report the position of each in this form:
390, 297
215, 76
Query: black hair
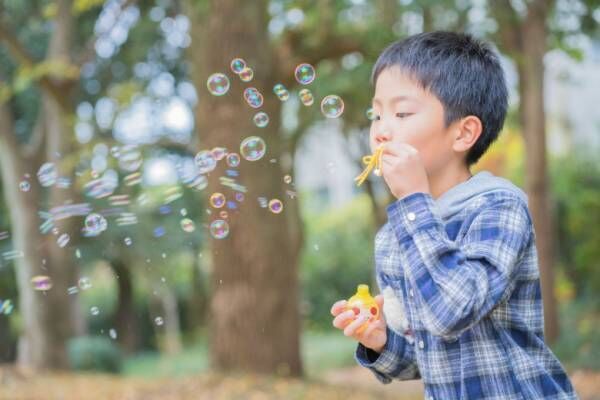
463, 73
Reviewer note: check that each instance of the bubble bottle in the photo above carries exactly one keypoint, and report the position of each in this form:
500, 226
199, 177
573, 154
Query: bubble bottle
363, 304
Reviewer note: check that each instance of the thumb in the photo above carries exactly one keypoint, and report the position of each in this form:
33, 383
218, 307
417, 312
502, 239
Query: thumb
379, 301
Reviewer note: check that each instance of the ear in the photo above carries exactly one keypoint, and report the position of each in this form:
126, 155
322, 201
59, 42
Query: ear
468, 130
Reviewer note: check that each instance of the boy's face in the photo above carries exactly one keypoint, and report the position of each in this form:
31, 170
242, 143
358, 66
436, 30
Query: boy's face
407, 113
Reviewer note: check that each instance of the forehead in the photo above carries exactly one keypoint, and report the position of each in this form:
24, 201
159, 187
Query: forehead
394, 85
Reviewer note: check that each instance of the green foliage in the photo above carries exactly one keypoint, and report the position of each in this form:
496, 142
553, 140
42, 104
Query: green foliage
338, 255
576, 188
94, 353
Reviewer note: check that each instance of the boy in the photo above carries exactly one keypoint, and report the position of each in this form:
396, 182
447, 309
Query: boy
456, 261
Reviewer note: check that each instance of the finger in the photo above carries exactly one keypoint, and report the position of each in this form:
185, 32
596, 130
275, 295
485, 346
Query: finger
342, 319
370, 328
350, 329
338, 307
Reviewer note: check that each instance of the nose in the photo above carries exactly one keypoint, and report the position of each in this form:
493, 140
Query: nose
382, 134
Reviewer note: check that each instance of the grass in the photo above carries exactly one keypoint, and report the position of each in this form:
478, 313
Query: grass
321, 351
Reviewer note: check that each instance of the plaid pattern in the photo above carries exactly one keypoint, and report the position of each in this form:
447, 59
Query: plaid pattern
468, 291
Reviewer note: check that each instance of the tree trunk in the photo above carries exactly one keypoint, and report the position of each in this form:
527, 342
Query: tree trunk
126, 322
47, 326
169, 331
531, 110
255, 320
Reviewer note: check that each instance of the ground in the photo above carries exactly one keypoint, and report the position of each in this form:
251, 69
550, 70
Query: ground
347, 383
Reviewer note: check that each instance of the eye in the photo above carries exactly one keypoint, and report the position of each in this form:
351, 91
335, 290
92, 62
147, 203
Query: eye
402, 115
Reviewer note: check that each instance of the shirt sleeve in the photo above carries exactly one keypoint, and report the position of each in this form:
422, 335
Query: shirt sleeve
396, 360
456, 284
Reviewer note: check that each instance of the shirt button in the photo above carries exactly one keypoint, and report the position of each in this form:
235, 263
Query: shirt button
421, 344
411, 216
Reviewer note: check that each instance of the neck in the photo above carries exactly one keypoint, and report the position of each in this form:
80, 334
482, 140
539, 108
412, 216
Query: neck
443, 180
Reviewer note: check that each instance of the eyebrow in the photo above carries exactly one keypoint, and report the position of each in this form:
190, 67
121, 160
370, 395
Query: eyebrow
393, 100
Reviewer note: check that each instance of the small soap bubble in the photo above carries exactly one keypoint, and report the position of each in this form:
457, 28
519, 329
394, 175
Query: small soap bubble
63, 240
95, 224
306, 97
187, 225
94, 310
237, 65
183, 212
159, 231
239, 197
218, 153
233, 159
159, 321
127, 241
305, 73
262, 202
55, 231
47, 174
370, 113
112, 333
219, 229
223, 214
78, 253
332, 106
253, 97
275, 206
253, 148
217, 200
261, 119
84, 283
72, 290
130, 158
41, 282
217, 84
281, 92
246, 74
24, 186
205, 161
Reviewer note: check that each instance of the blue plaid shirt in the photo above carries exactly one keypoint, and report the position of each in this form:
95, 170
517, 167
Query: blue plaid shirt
463, 302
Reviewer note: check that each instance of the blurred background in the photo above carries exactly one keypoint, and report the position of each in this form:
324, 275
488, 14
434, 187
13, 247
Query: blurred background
170, 233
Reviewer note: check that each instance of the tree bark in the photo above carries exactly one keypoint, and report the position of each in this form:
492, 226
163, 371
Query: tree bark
47, 326
532, 115
126, 322
255, 320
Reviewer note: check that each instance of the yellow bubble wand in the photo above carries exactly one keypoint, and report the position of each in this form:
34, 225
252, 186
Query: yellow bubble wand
372, 162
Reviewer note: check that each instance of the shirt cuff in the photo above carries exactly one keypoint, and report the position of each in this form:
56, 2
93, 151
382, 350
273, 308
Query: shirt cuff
389, 362
412, 213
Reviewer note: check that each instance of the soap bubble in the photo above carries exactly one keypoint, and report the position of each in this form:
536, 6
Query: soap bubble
187, 225
275, 206
306, 97
159, 321
205, 161
219, 229
95, 224
281, 92
112, 333
253, 148
84, 283
239, 197
217, 200
24, 186
130, 158
217, 84
237, 65
305, 74
41, 282
233, 159
287, 179
223, 214
218, 153
127, 241
253, 97
47, 174
370, 113
332, 106
94, 310
63, 240
261, 119
262, 202
246, 74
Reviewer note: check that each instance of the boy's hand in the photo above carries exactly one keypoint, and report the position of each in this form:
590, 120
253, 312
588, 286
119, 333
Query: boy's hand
403, 170
374, 336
